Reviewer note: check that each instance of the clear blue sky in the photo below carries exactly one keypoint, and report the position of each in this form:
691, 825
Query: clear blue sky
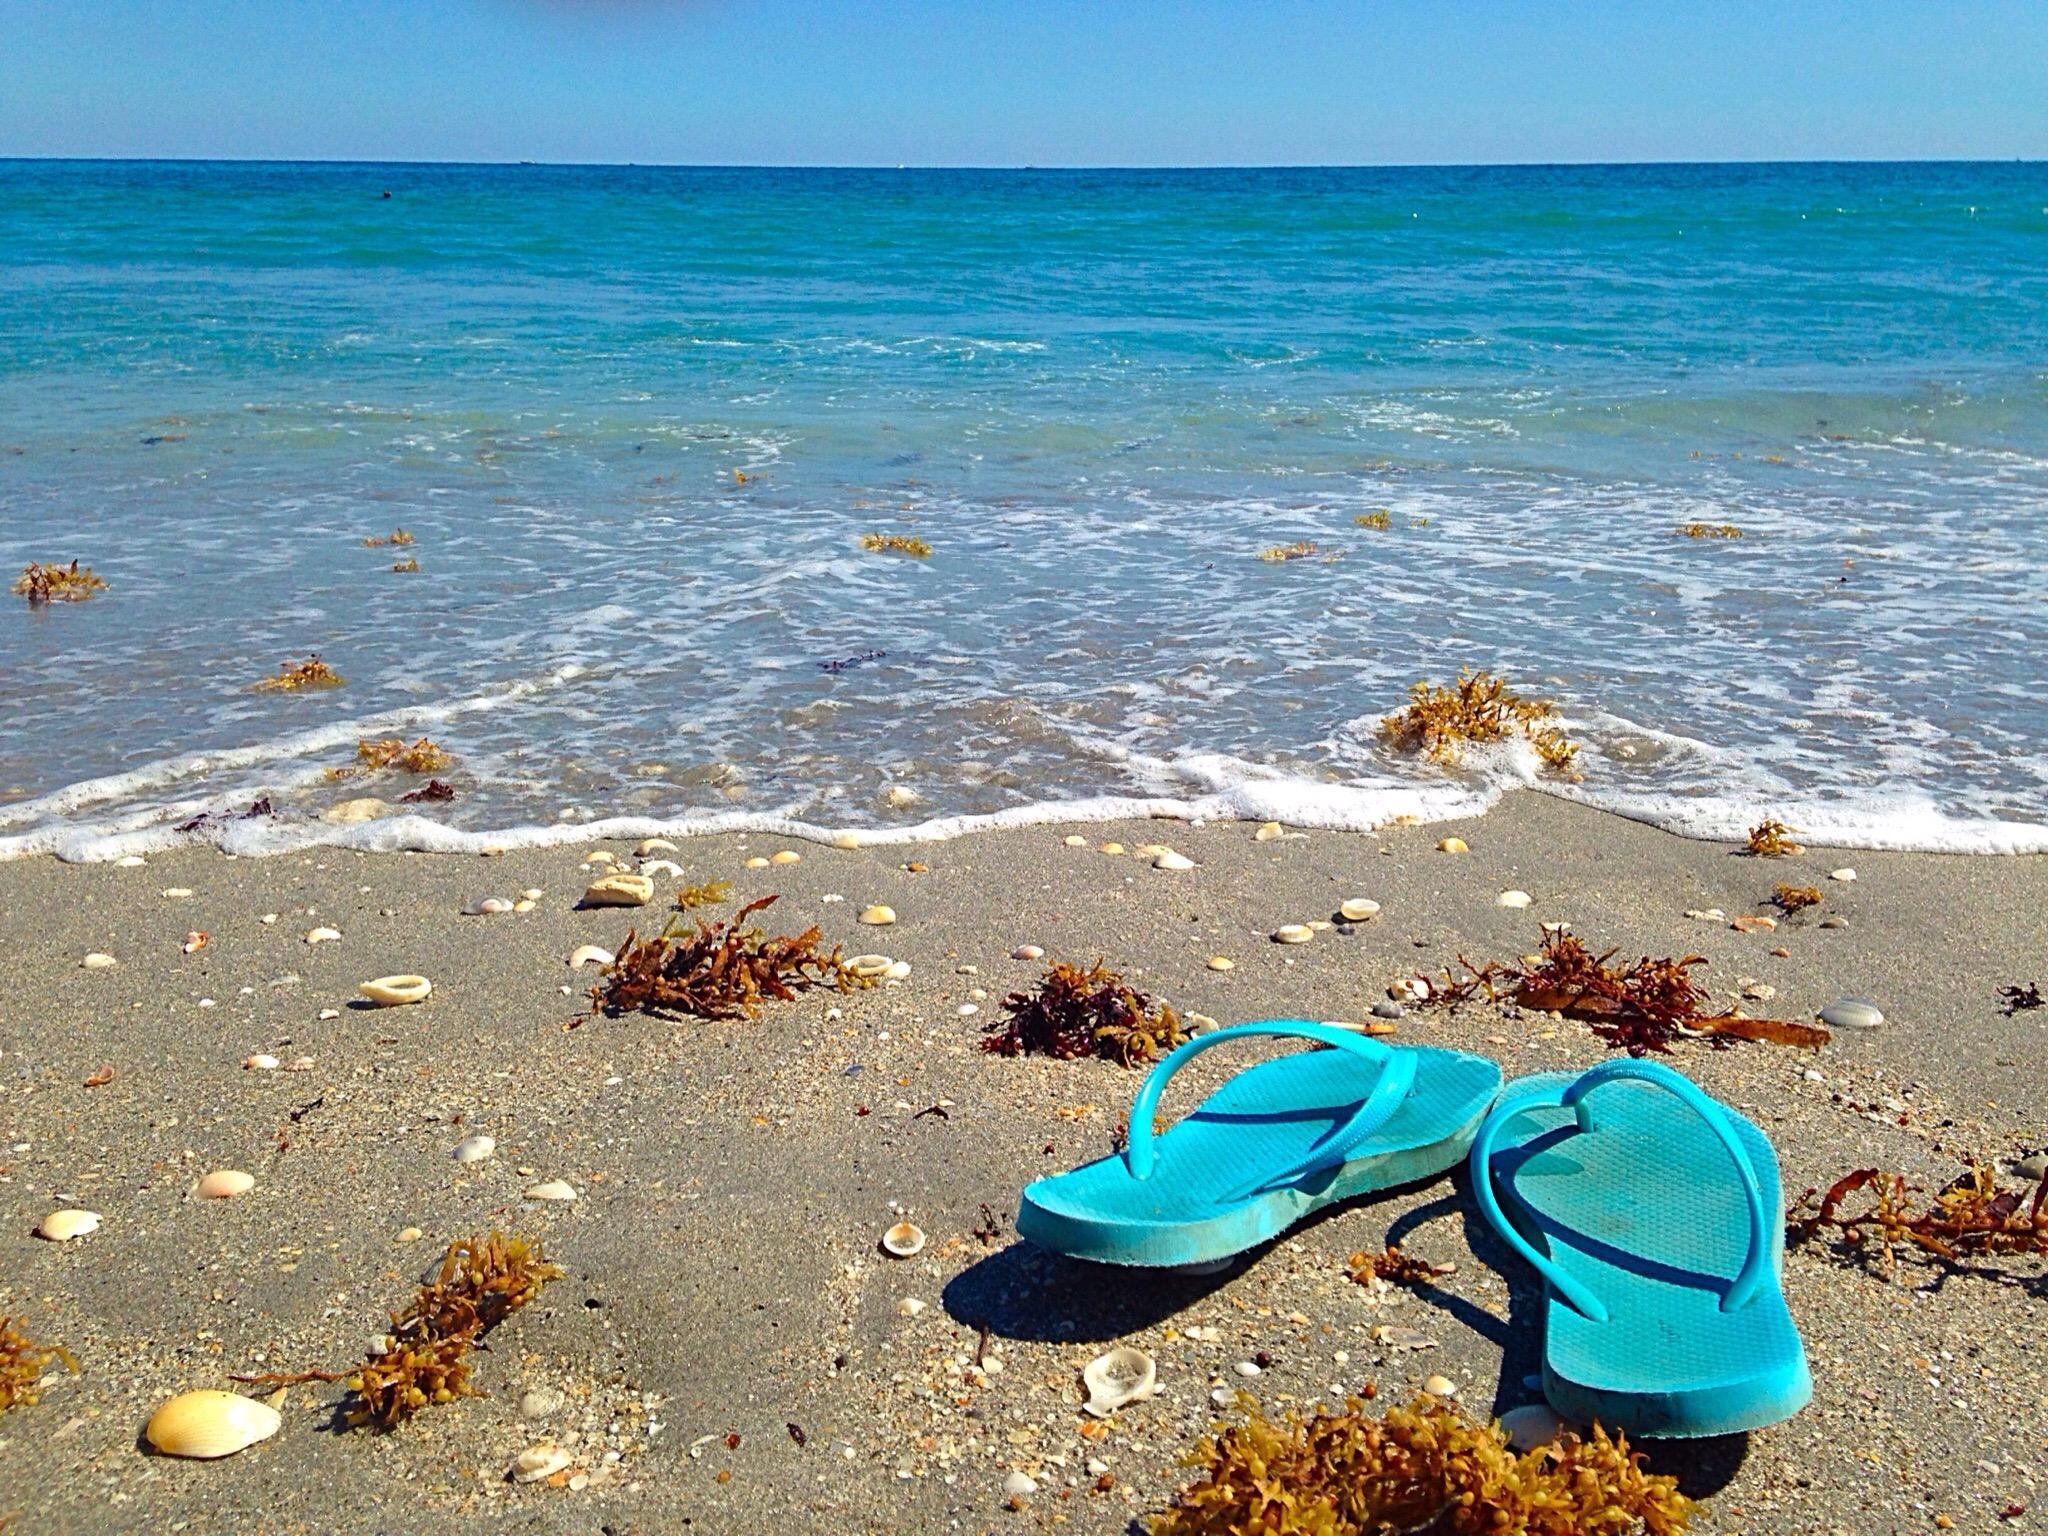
1012, 82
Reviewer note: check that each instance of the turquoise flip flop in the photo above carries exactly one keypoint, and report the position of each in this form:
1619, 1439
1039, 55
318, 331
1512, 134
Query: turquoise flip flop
1653, 1214
1278, 1141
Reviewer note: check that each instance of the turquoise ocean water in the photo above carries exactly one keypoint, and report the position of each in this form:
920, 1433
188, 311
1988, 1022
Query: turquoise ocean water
638, 420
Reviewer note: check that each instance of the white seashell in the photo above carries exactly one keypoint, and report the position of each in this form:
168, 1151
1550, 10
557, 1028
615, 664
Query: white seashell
1222, 963
1842, 874
878, 916
875, 966
539, 1461
267, 919
1439, 1386
262, 1061
1270, 832
619, 891
410, 1234
589, 954
787, 856
1027, 952
903, 1241
554, 1189
1453, 845
130, 861
1513, 899
206, 1424
909, 1306
322, 935
175, 892
1172, 860
525, 904
662, 869
599, 856
532, 893
396, 991
898, 971
1019, 1485
1075, 840
474, 1149
362, 808
1533, 1425
651, 846
847, 840
63, 1226
1124, 1375
1293, 933
99, 962
488, 906
224, 1184
756, 862
1112, 848
901, 796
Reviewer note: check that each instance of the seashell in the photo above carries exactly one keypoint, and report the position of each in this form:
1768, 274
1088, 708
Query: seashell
1453, 845
410, 1234
322, 935
1172, 860
554, 1189
63, 1226
300, 1064
488, 906
525, 904
1150, 850
1222, 963
1358, 909
589, 954
224, 1184
396, 991
206, 1425
1745, 923
1027, 952
846, 840
363, 808
1269, 832
196, 940
1075, 840
1112, 848
599, 856
1852, 1013
1533, 1425
1410, 989
474, 1149
651, 846
878, 916
662, 869
1124, 1375
1293, 933
130, 861
1019, 1485
539, 1461
1557, 927
1320, 925
756, 862
532, 893
1439, 1386
901, 796
177, 892
98, 962
619, 891
1513, 899
1842, 874
903, 1241
786, 856
898, 970
262, 1061
872, 966
909, 1306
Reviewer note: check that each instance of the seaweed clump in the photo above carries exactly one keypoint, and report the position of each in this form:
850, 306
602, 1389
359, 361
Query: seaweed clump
1425, 1467
1795, 898
719, 971
896, 544
1088, 1011
1770, 839
1479, 707
406, 567
2016, 999
709, 894
398, 537
423, 756
42, 584
1970, 1218
294, 675
1641, 1008
1394, 1266
1709, 530
1379, 519
1299, 550
22, 1363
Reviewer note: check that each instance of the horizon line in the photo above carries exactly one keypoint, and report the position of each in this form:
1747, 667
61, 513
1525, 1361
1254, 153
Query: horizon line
1018, 167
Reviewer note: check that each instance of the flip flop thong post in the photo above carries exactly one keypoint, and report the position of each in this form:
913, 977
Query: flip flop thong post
1653, 1214
1278, 1141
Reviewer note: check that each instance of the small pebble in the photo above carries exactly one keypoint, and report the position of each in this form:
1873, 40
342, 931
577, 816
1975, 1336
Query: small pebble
1531, 1426
2032, 1167
1388, 1009
1247, 1368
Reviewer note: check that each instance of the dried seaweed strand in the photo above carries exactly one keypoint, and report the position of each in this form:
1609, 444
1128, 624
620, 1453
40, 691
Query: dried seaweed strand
294, 675
22, 1363
53, 583
1440, 722
1089, 1011
1771, 839
720, 971
1392, 1265
1970, 1218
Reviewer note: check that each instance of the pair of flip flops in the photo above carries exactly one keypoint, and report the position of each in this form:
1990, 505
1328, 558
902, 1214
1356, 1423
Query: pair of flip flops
1649, 1210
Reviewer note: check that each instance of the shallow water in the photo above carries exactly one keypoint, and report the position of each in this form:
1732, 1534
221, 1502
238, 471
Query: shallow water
1098, 396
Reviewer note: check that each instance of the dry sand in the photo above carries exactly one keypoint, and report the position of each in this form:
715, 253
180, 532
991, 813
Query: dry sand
722, 1277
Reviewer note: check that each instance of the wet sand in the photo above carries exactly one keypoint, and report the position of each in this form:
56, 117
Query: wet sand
722, 1281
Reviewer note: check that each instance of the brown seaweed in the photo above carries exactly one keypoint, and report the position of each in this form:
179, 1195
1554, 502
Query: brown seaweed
53, 583
1379, 519
1970, 1218
1440, 721
1795, 898
1392, 1265
708, 894
405, 567
896, 544
1770, 839
22, 1364
1424, 1468
1708, 530
1300, 550
2016, 999
423, 756
1085, 1012
432, 790
397, 536
294, 675
720, 971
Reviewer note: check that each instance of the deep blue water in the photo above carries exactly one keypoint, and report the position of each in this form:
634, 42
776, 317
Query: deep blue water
639, 419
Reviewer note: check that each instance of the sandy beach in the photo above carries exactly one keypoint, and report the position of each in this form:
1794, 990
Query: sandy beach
729, 1350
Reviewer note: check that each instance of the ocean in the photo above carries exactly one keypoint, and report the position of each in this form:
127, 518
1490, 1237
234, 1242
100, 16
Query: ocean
637, 422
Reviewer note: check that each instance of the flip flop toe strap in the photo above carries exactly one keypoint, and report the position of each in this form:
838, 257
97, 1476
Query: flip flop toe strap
1396, 1078
1573, 1096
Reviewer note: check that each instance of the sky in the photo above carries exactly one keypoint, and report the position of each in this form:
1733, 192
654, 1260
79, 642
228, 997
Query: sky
1025, 82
